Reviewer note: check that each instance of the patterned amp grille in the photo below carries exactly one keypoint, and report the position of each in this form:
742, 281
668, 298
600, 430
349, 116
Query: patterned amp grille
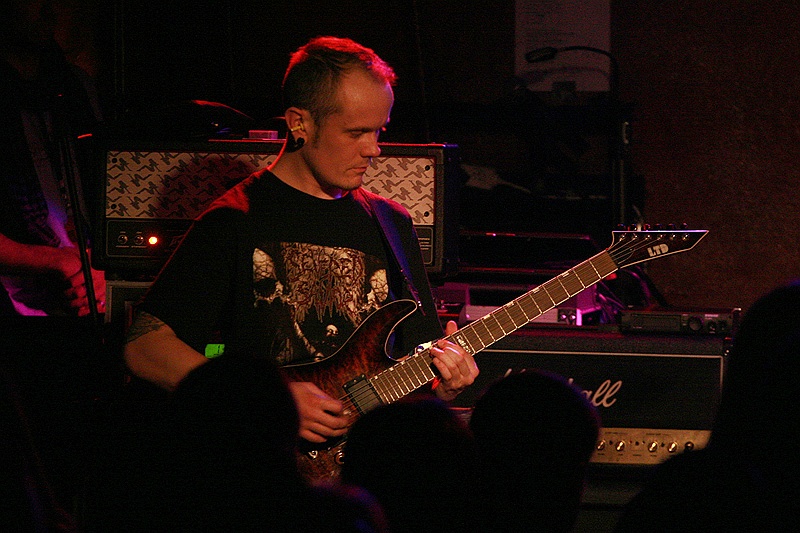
181, 185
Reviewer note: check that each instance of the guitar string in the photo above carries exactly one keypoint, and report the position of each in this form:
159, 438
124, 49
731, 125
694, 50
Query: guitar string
512, 324
365, 390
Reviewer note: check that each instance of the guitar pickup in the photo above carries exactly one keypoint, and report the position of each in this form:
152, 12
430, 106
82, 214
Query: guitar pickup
362, 394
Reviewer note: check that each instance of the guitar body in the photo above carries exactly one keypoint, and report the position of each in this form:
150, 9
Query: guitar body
362, 355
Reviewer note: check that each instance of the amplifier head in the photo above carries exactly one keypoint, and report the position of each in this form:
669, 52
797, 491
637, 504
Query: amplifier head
152, 193
656, 395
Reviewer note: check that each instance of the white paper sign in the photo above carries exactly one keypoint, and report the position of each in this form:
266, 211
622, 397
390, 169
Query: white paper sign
560, 23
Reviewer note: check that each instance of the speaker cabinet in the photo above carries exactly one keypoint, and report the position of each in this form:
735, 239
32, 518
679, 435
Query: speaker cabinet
152, 193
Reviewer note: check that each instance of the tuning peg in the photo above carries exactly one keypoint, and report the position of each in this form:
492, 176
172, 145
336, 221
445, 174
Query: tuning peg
671, 227
684, 225
646, 227
658, 227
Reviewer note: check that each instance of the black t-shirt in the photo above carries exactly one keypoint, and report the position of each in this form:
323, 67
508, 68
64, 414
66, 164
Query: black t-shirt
275, 272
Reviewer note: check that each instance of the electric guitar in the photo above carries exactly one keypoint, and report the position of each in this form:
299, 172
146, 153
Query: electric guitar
363, 377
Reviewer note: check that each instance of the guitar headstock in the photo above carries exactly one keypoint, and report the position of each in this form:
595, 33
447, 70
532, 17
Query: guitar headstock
629, 247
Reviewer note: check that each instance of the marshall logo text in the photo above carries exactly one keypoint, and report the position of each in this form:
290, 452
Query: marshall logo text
603, 396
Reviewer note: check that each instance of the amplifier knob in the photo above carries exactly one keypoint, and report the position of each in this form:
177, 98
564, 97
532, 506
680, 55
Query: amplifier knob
601, 445
652, 447
695, 323
673, 447
620, 446
122, 239
689, 446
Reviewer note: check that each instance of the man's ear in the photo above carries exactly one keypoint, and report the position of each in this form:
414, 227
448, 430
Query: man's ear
296, 119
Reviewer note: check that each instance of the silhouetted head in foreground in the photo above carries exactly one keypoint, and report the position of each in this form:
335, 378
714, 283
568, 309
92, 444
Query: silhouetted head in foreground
535, 434
418, 459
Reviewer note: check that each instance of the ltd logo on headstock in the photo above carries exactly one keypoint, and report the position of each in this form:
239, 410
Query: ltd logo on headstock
657, 250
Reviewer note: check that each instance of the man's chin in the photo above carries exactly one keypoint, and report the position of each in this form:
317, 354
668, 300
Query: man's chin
353, 184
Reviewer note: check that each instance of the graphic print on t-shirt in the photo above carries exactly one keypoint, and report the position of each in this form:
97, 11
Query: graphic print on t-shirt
314, 296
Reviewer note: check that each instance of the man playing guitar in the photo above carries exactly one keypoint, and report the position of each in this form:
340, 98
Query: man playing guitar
290, 262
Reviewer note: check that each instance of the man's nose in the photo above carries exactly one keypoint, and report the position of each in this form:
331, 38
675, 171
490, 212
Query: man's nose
372, 148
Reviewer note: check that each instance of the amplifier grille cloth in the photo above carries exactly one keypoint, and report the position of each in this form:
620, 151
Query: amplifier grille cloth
181, 185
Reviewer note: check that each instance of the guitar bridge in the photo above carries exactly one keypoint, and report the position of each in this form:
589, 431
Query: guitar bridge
362, 394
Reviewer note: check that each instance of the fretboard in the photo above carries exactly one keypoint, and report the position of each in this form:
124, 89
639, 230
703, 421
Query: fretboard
507, 319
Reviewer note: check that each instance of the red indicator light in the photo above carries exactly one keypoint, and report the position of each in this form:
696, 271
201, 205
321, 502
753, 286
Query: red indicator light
152, 240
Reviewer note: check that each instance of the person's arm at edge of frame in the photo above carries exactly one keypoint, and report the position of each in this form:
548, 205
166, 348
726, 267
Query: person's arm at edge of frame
39, 260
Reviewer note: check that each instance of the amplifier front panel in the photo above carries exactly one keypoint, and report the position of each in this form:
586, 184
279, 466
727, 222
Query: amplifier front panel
656, 395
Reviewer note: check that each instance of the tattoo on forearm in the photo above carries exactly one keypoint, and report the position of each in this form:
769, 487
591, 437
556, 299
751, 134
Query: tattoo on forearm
142, 324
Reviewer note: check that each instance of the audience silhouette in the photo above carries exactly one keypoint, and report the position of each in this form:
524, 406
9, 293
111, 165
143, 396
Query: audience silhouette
535, 434
747, 478
418, 459
219, 457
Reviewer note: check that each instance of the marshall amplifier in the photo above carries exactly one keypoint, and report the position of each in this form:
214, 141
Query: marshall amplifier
656, 394
152, 193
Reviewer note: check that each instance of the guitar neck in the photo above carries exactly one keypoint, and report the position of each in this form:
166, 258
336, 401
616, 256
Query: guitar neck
531, 305
415, 371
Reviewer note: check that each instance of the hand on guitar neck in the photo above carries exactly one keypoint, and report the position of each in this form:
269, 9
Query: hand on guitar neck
323, 417
457, 368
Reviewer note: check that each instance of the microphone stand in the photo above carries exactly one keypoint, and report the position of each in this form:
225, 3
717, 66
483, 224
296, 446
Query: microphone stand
620, 146
68, 165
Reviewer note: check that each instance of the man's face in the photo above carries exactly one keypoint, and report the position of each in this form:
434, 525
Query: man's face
340, 149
